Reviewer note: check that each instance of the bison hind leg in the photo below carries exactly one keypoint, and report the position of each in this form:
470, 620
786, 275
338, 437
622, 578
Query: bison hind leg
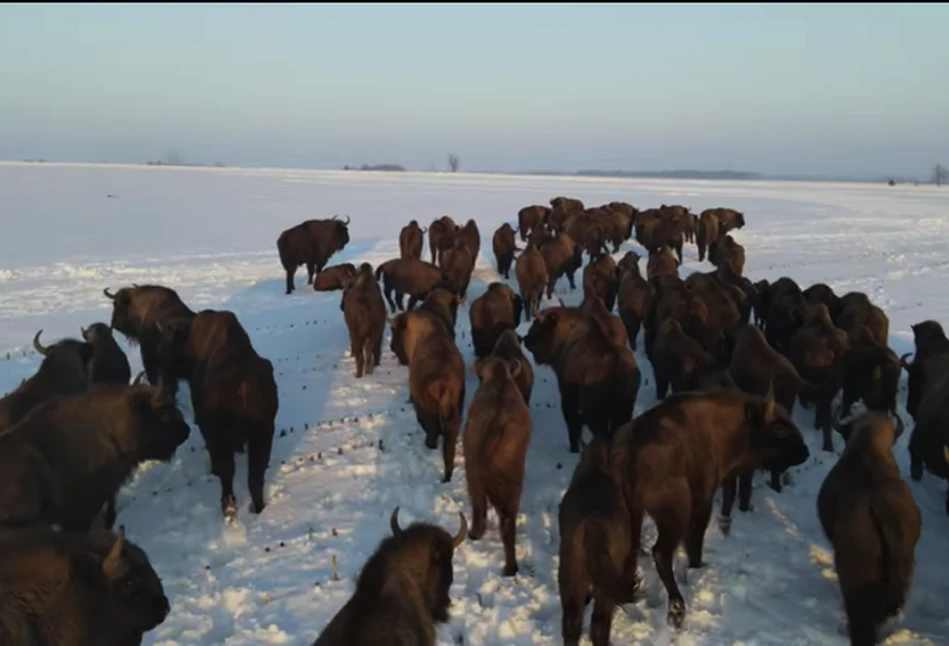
259, 446
369, 355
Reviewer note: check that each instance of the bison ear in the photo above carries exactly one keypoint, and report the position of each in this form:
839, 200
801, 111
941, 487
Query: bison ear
113, 566
514, 367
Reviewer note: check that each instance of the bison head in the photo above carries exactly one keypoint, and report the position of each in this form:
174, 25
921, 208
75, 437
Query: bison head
64, 353
156, 426
545, 333
426, 551
773, 436
125, 583
171, 345
342, 232
491, 367
124, 317
97, 333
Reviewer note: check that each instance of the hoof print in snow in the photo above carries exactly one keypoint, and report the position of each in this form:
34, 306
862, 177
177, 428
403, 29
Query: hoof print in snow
339, 450
282, 544
283, 433
267, 549
334, 532
559, 466
319, 456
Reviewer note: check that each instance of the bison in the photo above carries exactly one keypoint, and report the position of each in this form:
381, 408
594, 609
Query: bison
498, 309
436, 378
530, 218
365, 314
495, 438
728, 219
504, 245
508, 347
411, 241
70, 455
929, 440
930, 340
707, 231
677, 359
594, 546
868, 514
233, 395
441, 236
634, 296
470, 235
532, 278
562, 256
76, 589
136, 313
599, 279
311, 243
402, 590
662, 261
673, 458
413, 277
109, 364
458, 263
334, 278
63, 371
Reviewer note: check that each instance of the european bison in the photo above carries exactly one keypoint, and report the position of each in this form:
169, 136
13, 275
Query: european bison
868, 514
334, 278
470, 235
530, 218
634, 296
677, 359
562, 256
676, 455
458, 263
725, 251
504, 245
497, 432
63, 371
365, 314
728, 219
136, 312
496, 310
311, 243
71, 455
508, 347
662, 261
532, 278
930, 340
708, 230
599, 279
598, 380
411, 241
594, 547
441, 236
436, 378
76, 589
402, 591
930, 437
109, 365
233, 395
413, 277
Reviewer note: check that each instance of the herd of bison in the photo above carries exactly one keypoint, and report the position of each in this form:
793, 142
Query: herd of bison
735, 354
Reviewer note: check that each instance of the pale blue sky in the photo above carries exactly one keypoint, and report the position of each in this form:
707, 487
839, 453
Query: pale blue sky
806, 89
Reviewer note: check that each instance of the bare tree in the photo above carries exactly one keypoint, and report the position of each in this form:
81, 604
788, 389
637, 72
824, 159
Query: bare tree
940, 175
453, 162
174, 158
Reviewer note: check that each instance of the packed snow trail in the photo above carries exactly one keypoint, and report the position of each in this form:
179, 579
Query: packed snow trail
348, 451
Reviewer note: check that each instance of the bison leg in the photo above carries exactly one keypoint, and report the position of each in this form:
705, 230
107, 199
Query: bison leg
479, 502
695, 537
290, 274
915, 463
822, 421
662, 386
377, 351
744, 490
508, 537
602, 621
449, 428
310, 270
729, 487
573, 583
222, 465
259, 445
776, 480
671, 521
571, 279
429, 424
368, 354
355, 345
150, 364
570, 407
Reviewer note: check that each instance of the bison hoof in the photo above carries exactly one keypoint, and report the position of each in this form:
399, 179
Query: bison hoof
916, 471
446, 479
229, 508
431, 442
257, 507
509, 570
725, 524
829, 447
676, 616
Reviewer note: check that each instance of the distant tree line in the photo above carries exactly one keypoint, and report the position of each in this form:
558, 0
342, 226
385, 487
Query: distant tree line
176, 159
381, 167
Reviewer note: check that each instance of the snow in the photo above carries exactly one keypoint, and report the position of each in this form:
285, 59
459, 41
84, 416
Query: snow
350, 450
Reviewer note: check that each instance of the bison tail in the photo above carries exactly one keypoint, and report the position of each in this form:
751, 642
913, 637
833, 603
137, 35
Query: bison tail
886, 596
604, 572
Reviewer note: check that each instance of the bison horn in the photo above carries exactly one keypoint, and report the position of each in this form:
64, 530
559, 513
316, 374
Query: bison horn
112, 562
39, 346
107, 294
899, 427
348, 220
460, 536
135, 285
138, 378
424, 229
82, 332
394, 522
903, 362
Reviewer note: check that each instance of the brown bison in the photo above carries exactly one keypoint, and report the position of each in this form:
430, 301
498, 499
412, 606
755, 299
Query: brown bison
676, 455
599, 279
594, 547
611, 324
498, 309
532, 279
561, 209
598, 380
136, 312
76, 589
471, 236
497, 432
562, 257
402, 590
70, 455
823, 293
365, 314
311, 243
442, 302
663, 232
413, 277
868, 514
63, 371
633, 297
677, 359
233, 395
334, 278
724, 251
411, 241
109, 365
530, 218
709, 228
930, 340
441, 236
504, 245
929, 441
436, 378
662, 261
508, 347
728, 219
458, 264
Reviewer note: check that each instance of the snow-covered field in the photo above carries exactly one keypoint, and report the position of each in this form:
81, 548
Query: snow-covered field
350, 450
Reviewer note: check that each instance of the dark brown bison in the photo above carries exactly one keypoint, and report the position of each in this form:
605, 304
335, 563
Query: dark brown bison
109, 365
633, 297
498, 309
589, 230
407, 276
561, 209
598, 380
662, 261
76, 589
539, 236
868, 514
402, 590
929, 439
136, 312
365, 314
681, 215
436, 378
508, 347
458, 264
724, 251
761, 304
411, 241
785, 310
663, 232
441, 236
504, 245
930, 340
334, 278
873, 369
532, 279
612, 325
63, 371
707, 231
442, 302
70, 455
728, 219
471, 236
594, 547
311, 243
530, 218
497, 432
233, 395
676, 455
599, 280
822, 293
677, 359
562, 257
